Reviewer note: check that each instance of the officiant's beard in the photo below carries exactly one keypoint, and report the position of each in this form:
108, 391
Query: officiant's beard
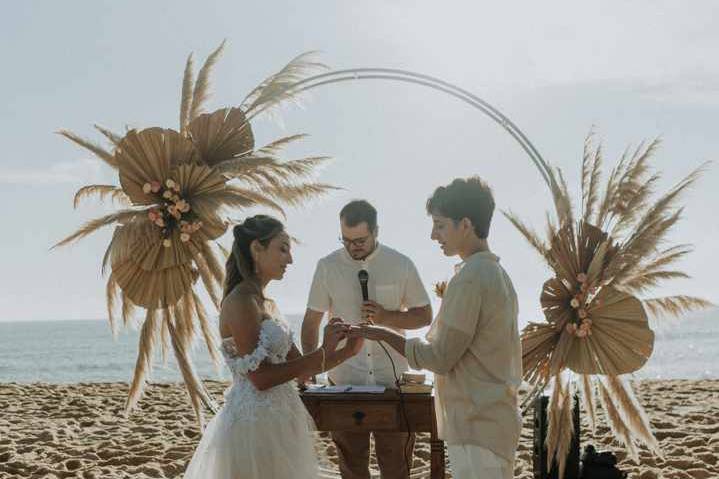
360, 254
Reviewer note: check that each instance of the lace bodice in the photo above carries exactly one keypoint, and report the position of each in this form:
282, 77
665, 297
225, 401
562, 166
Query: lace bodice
242, 399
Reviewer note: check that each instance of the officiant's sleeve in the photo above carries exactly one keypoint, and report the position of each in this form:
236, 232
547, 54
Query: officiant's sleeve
414, 294
453, 331
319, 299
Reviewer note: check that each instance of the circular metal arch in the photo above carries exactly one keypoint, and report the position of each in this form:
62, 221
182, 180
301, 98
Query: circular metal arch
391, 74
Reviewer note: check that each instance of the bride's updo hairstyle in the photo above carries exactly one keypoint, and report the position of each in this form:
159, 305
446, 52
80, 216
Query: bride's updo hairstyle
240, 265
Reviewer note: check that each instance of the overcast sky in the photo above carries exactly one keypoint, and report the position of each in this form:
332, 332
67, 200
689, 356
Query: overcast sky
635, 70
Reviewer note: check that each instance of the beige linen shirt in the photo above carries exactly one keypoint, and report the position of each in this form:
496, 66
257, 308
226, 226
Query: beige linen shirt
473, 348
393, 282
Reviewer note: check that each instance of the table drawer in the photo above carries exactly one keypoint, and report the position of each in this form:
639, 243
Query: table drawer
373, 416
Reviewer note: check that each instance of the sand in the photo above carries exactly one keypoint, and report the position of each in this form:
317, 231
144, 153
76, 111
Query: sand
78, 431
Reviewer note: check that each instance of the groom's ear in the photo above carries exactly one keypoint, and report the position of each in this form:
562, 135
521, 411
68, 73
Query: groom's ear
467, 226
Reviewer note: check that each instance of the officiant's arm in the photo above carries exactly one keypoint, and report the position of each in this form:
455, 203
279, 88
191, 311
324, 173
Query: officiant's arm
311, 329
413, 318
318, 302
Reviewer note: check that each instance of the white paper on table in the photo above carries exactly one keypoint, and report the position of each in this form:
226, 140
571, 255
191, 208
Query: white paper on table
346, 388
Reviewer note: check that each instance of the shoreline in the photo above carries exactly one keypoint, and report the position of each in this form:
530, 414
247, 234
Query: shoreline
78, 430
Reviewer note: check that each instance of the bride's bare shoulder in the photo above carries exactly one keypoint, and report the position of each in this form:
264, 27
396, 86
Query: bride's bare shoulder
241, 318
240, 306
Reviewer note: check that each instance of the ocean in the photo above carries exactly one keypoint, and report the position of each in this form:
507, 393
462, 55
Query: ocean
85, 351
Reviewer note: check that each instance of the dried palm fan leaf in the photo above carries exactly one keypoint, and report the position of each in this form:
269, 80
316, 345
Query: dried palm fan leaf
179, 186
152, 289
621, 341
146, 157
222, 135
596, 327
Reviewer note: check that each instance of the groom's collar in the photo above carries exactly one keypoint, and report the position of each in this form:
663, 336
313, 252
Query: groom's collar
478, 256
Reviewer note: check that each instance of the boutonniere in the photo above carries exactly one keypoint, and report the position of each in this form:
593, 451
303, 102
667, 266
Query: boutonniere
439, 288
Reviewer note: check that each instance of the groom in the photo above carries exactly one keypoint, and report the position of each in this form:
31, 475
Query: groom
398, 301
473, 346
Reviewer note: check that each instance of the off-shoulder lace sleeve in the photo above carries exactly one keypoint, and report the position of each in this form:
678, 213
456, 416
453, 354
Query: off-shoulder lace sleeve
250, 362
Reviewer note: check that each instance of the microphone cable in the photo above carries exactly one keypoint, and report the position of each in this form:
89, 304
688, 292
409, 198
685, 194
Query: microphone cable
402, 407
363, 277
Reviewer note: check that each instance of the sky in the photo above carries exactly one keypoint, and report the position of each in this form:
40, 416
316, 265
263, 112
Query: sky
632, 70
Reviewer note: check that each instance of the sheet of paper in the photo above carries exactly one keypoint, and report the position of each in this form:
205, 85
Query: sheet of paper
322, 388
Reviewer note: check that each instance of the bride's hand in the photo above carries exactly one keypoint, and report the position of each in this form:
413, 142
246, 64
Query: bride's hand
334, 332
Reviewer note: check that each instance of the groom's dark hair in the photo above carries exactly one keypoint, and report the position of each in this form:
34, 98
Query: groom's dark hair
465, 198
358, 211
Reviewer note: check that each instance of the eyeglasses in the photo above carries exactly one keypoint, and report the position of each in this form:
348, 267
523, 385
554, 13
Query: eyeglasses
357, 242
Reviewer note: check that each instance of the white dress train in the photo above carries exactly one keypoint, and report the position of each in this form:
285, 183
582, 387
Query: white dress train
257, 434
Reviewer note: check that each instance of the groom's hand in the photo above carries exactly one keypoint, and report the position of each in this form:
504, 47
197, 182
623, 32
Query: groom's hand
368, 331
373, 312
354, 343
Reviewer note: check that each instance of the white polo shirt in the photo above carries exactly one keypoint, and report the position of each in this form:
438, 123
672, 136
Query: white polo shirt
393, 282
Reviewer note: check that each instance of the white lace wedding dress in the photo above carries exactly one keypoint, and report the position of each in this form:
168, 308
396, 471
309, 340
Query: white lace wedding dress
257, 434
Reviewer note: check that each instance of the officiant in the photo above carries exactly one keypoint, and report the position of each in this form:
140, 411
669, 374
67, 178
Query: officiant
396, 299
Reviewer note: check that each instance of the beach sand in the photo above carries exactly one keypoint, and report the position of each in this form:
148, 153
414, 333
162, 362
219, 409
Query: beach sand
78, 431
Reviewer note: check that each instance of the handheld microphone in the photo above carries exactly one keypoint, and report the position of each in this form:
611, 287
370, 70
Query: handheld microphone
363, 277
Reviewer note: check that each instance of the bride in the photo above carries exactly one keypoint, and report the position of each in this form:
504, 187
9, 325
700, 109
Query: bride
263, 430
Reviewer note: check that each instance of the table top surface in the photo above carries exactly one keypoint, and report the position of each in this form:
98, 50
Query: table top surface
388, 395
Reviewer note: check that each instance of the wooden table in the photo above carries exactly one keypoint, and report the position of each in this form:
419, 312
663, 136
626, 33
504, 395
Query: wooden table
378, 412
